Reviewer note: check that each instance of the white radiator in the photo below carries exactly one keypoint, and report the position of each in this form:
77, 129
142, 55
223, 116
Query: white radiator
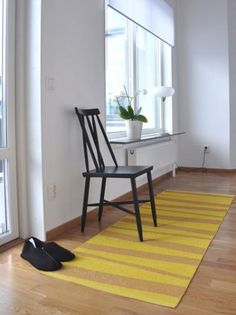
162, 156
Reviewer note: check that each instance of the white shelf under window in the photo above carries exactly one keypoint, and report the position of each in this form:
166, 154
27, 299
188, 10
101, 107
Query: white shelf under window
145, 139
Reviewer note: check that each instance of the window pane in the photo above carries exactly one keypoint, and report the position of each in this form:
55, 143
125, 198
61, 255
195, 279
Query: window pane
4, 228
148, 76
116, 66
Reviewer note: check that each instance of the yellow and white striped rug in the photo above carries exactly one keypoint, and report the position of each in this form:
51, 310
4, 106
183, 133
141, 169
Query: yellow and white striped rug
159, 269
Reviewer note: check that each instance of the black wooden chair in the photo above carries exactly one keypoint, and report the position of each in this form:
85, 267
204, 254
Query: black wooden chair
92, 130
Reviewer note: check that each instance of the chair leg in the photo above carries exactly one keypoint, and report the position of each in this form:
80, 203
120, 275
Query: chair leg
152, 200
85, 203
101, 198
136, 207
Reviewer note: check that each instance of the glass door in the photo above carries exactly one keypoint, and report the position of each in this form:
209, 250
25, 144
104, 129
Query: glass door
8, 196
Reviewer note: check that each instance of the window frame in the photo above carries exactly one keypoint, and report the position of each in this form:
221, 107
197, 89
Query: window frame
132, 77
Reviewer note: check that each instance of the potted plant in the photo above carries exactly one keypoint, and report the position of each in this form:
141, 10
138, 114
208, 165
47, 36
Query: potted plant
134, 120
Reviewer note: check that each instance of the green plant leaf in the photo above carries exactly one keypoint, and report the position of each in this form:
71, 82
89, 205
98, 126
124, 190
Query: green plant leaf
124, 117
141, 118
131, 112
124, 114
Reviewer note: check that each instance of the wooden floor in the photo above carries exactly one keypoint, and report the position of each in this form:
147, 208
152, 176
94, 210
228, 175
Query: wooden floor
24, 291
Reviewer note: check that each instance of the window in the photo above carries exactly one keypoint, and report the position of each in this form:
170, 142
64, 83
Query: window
138, 60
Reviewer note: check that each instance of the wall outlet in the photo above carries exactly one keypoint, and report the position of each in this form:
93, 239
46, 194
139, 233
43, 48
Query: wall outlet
206, 148
51, 191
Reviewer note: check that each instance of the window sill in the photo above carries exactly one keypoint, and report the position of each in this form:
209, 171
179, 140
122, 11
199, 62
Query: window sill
152, 138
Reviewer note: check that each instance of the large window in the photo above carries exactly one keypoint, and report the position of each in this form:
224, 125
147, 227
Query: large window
139, 61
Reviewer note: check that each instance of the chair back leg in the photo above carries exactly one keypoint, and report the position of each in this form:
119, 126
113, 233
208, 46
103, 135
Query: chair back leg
136, 208
101, 198
152, 200
85, 203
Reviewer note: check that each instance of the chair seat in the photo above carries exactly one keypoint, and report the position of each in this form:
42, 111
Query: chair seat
120, 171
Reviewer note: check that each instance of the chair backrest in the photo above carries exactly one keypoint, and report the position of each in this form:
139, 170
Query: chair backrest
90, 124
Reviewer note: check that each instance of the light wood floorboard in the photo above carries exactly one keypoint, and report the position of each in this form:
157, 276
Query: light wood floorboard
24, 291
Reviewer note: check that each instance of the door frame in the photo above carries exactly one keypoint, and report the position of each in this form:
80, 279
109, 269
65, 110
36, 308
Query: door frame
9, 153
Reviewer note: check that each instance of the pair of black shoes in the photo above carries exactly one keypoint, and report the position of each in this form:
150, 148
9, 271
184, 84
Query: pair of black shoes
46, 256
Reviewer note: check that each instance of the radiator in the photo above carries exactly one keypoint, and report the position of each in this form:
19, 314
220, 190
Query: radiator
162, 156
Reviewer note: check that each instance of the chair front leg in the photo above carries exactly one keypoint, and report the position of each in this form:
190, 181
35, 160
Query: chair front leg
101, 198
85, 203
152, 200
136, 208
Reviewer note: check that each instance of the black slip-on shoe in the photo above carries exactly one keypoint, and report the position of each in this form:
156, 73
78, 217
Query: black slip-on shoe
39, 257
56, 251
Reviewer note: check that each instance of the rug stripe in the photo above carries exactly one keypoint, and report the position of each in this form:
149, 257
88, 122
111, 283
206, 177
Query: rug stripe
115, 268
119, 243
191, 224
163, 230
121, 281
188, 209
160, 237
190, 219
156, 298
194, 199
178, 203
171, 227
183, 269
168, 273
190, 193
140, 254
176, 214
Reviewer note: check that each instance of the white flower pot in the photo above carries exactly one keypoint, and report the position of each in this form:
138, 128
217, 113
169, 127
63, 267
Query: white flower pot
134, 129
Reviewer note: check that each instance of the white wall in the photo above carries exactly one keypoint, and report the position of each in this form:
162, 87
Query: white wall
203, 82
73, 56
